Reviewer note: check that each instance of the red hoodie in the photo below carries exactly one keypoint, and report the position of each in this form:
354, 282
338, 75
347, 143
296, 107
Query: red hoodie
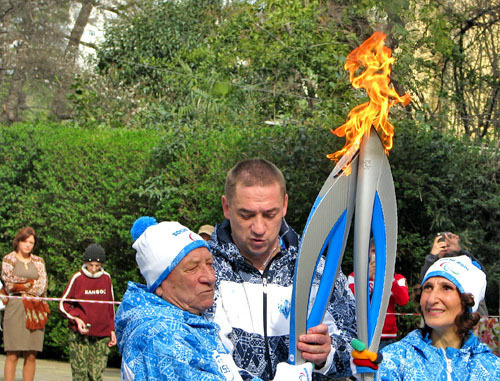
399, 296
84, 285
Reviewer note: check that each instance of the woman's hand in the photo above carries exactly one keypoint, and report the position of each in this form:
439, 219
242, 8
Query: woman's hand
22, 287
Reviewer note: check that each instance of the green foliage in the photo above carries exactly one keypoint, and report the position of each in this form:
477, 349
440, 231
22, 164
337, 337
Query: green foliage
442, 183
446, 184
185, 89
276, 62
188, 172
450, 52
74, 187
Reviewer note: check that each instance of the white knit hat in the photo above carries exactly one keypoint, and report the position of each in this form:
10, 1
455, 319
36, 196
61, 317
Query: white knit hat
463, 273
161, 247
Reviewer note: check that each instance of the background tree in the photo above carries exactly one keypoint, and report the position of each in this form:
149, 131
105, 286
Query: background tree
67, 69
41, 54
31, 45
452, 52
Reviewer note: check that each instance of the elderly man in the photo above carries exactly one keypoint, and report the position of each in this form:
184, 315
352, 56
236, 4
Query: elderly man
254, 260
160, 329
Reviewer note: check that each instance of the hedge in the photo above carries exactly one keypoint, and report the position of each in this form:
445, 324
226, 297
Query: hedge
77, 185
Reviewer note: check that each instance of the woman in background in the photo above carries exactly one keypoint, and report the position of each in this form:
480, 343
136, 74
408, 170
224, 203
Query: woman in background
24, 321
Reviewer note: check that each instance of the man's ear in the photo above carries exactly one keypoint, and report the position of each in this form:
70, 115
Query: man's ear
225, 206
285, 205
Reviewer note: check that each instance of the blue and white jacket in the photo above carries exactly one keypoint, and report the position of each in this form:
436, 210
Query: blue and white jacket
415, 358
159, 341
253, 308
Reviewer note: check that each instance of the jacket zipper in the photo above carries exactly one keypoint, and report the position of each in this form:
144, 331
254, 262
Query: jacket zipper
449, 369
266, 339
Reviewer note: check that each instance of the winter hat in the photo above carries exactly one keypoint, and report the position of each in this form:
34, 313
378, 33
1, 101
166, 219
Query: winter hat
463, 273
94, 253
160, 247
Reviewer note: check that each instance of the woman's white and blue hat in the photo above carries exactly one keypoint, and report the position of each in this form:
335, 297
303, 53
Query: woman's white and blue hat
161, 246
463, 273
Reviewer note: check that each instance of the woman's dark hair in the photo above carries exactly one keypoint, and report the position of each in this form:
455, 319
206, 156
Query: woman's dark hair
22, 235
464, 321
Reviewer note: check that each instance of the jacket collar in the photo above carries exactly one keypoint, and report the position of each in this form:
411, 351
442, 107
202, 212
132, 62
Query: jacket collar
424, 345
98, 274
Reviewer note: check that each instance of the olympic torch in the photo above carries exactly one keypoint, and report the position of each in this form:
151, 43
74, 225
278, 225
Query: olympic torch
360, 185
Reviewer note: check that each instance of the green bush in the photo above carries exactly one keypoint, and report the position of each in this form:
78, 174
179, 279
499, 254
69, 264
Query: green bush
74, 186
442, 183
78, 185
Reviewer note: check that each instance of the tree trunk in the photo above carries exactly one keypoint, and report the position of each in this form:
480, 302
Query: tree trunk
16, 97
59, 103
10, 109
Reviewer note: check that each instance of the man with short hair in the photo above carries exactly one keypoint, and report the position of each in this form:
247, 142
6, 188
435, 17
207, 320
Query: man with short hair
255, 252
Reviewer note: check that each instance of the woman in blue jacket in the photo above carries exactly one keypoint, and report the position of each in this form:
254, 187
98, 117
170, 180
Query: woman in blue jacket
445, 348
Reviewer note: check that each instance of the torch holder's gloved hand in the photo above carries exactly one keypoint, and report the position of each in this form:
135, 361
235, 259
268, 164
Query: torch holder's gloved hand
288, 372
363, 360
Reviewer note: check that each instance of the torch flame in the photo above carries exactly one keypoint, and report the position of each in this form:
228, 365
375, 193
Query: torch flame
376, 60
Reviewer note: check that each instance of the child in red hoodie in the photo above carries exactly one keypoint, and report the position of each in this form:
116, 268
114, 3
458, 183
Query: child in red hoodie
92, 330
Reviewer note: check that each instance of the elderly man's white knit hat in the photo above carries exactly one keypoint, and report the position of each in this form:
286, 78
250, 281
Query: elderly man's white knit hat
160, 247
463, 273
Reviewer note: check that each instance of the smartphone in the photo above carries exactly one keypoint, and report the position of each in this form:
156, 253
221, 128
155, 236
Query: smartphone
442, 236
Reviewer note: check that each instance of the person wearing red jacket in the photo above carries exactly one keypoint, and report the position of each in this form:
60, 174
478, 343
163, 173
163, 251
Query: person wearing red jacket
92, 330
399, 296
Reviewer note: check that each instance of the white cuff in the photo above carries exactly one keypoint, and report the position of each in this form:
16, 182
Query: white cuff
328, 363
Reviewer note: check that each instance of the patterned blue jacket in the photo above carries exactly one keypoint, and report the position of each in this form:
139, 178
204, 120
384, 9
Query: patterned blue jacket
415, 358
159, 341
253, 309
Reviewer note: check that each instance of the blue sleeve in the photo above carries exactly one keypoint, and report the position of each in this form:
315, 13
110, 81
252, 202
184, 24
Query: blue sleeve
390, 367
343, 310
166, 356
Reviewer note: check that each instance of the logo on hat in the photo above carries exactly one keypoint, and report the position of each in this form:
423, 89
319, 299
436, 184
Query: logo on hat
450, 265
180, 231
447, 267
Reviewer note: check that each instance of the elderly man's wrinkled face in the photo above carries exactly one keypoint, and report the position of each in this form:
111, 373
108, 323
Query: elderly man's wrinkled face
190, 285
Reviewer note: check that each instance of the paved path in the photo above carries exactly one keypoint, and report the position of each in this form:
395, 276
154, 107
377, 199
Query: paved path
50, 370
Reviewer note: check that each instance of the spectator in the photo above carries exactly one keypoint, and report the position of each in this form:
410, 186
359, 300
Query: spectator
399, 296
205, 232
92, 329
255, 252
445, 348
24, 274
160, 328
